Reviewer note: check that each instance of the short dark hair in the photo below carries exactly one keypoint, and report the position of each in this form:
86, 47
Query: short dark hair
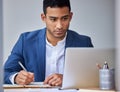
55, 3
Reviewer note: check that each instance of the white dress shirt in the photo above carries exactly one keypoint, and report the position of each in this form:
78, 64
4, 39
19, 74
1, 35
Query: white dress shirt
55, 56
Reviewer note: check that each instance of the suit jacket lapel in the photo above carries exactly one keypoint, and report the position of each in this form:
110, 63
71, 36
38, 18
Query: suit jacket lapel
41, 54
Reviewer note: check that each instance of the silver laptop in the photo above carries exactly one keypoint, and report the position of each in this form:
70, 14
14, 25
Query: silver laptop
80, 69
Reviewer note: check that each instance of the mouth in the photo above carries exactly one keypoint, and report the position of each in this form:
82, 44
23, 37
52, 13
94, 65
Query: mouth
59, 31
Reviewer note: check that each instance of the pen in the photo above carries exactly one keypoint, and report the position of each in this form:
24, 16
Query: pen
22, 66
105, 66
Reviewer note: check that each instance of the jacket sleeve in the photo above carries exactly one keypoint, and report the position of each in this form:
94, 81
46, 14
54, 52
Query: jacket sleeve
11, 66
89, 42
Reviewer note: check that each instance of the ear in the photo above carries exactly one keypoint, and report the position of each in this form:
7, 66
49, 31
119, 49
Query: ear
43, 17
71, 14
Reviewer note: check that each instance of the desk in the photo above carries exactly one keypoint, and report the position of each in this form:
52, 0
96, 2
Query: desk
95, 90
36, 87
53, 90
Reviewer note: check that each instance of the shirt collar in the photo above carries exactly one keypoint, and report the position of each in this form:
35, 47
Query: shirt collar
62, 42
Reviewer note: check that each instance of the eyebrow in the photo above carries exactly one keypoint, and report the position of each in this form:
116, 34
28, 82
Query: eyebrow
57, 17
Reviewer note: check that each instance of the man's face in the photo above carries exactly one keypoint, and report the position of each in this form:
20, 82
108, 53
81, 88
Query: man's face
57, 22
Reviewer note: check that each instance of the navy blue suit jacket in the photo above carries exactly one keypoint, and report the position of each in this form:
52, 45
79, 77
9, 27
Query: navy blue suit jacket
30, 49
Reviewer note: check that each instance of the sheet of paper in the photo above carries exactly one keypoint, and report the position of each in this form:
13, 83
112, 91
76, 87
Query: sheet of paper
39, 90
52, 90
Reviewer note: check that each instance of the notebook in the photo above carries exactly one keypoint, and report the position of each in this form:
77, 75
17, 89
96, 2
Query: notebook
80, 70
31, 85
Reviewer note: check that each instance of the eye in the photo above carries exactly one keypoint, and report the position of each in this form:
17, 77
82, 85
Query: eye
53, 19
65, 18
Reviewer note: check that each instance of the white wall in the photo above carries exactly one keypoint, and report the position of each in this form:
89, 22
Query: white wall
19, 16
1, 45
94, 18
118, 45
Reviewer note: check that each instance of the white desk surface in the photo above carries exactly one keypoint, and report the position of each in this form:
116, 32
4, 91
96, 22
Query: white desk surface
39, 90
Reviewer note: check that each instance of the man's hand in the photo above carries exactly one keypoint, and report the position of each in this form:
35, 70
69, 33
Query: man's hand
54, 80
24, 77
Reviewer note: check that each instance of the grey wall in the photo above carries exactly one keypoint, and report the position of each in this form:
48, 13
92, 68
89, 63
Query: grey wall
1, 45
94, 18
20, 16
117, 78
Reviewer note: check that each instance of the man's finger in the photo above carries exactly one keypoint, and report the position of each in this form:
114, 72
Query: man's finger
48, 79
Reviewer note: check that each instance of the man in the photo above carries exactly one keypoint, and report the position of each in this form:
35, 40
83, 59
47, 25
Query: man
42, 52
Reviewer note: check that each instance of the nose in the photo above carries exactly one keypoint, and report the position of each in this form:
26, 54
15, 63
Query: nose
59, 24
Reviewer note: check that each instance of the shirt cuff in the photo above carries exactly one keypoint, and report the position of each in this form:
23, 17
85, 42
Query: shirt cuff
12, 78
